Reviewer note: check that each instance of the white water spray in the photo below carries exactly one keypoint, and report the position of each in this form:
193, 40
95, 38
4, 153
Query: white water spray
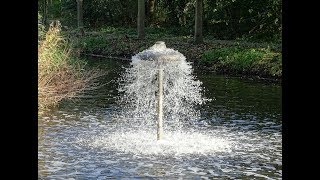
159, 90
158, 99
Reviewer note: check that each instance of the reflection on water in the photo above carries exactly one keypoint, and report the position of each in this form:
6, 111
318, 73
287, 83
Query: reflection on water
238, 136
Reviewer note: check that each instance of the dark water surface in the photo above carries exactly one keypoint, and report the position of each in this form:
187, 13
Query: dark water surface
244, 112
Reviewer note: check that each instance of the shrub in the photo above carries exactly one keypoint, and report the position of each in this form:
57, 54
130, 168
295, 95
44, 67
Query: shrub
60, 75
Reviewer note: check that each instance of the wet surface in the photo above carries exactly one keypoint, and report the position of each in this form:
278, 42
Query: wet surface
238, 136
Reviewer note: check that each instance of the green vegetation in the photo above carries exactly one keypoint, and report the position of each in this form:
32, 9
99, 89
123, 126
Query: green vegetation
228, 36
232, 57
224, 19
239, 60
41, 28
60, 73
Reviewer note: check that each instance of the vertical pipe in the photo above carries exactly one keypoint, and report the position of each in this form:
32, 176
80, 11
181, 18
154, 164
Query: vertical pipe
160, 105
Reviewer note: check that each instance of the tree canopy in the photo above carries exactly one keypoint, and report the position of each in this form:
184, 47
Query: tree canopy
223, 19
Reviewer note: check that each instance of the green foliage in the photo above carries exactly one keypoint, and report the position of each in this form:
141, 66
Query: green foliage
68, 14
94, 43
41, 28
110, 12
106, 45
244, 60
252, 20
152, 32
258, 20
237, 57
108, 29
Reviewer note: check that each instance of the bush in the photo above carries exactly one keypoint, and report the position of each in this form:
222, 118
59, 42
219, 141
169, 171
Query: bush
60, 75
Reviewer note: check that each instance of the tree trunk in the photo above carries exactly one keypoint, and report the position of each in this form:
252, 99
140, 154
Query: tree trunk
151, 11
198, 22
44, 12
80, 16
141, 18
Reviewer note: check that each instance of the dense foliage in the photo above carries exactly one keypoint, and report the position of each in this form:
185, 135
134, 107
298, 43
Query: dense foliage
224, 19
228, 26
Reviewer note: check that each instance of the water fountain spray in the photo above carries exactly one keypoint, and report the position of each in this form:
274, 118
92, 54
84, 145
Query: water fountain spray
159, 54
159, 100
159, 90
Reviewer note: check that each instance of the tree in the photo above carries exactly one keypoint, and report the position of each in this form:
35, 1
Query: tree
80, 16
151, 10
198, 22
44, 11
141, 18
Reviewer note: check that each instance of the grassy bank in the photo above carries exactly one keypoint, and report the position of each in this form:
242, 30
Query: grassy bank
265, 60
239, 60
61, 74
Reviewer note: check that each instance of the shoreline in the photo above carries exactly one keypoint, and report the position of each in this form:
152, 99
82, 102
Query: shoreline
122, 47
201, 68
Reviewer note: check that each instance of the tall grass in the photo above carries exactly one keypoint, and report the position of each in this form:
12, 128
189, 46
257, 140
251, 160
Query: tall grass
60, 74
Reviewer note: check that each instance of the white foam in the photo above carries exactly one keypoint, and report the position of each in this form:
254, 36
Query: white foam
138, 89
144, 142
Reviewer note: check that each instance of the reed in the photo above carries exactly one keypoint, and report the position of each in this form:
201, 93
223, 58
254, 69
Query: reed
61, 74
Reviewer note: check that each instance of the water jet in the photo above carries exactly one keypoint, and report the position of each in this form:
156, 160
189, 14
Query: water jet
157, 53
160, 85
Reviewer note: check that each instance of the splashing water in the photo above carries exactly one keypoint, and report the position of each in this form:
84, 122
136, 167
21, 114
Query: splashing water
145, 143
238, 136
137, 118
139, 87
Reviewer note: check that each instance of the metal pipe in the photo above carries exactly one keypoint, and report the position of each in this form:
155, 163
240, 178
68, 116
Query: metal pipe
160, 105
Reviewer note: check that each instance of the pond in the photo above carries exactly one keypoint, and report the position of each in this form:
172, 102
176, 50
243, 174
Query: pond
239, 135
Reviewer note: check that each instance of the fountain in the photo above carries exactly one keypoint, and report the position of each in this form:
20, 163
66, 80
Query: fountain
149, 125
161, 56
158, 99
154, 69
